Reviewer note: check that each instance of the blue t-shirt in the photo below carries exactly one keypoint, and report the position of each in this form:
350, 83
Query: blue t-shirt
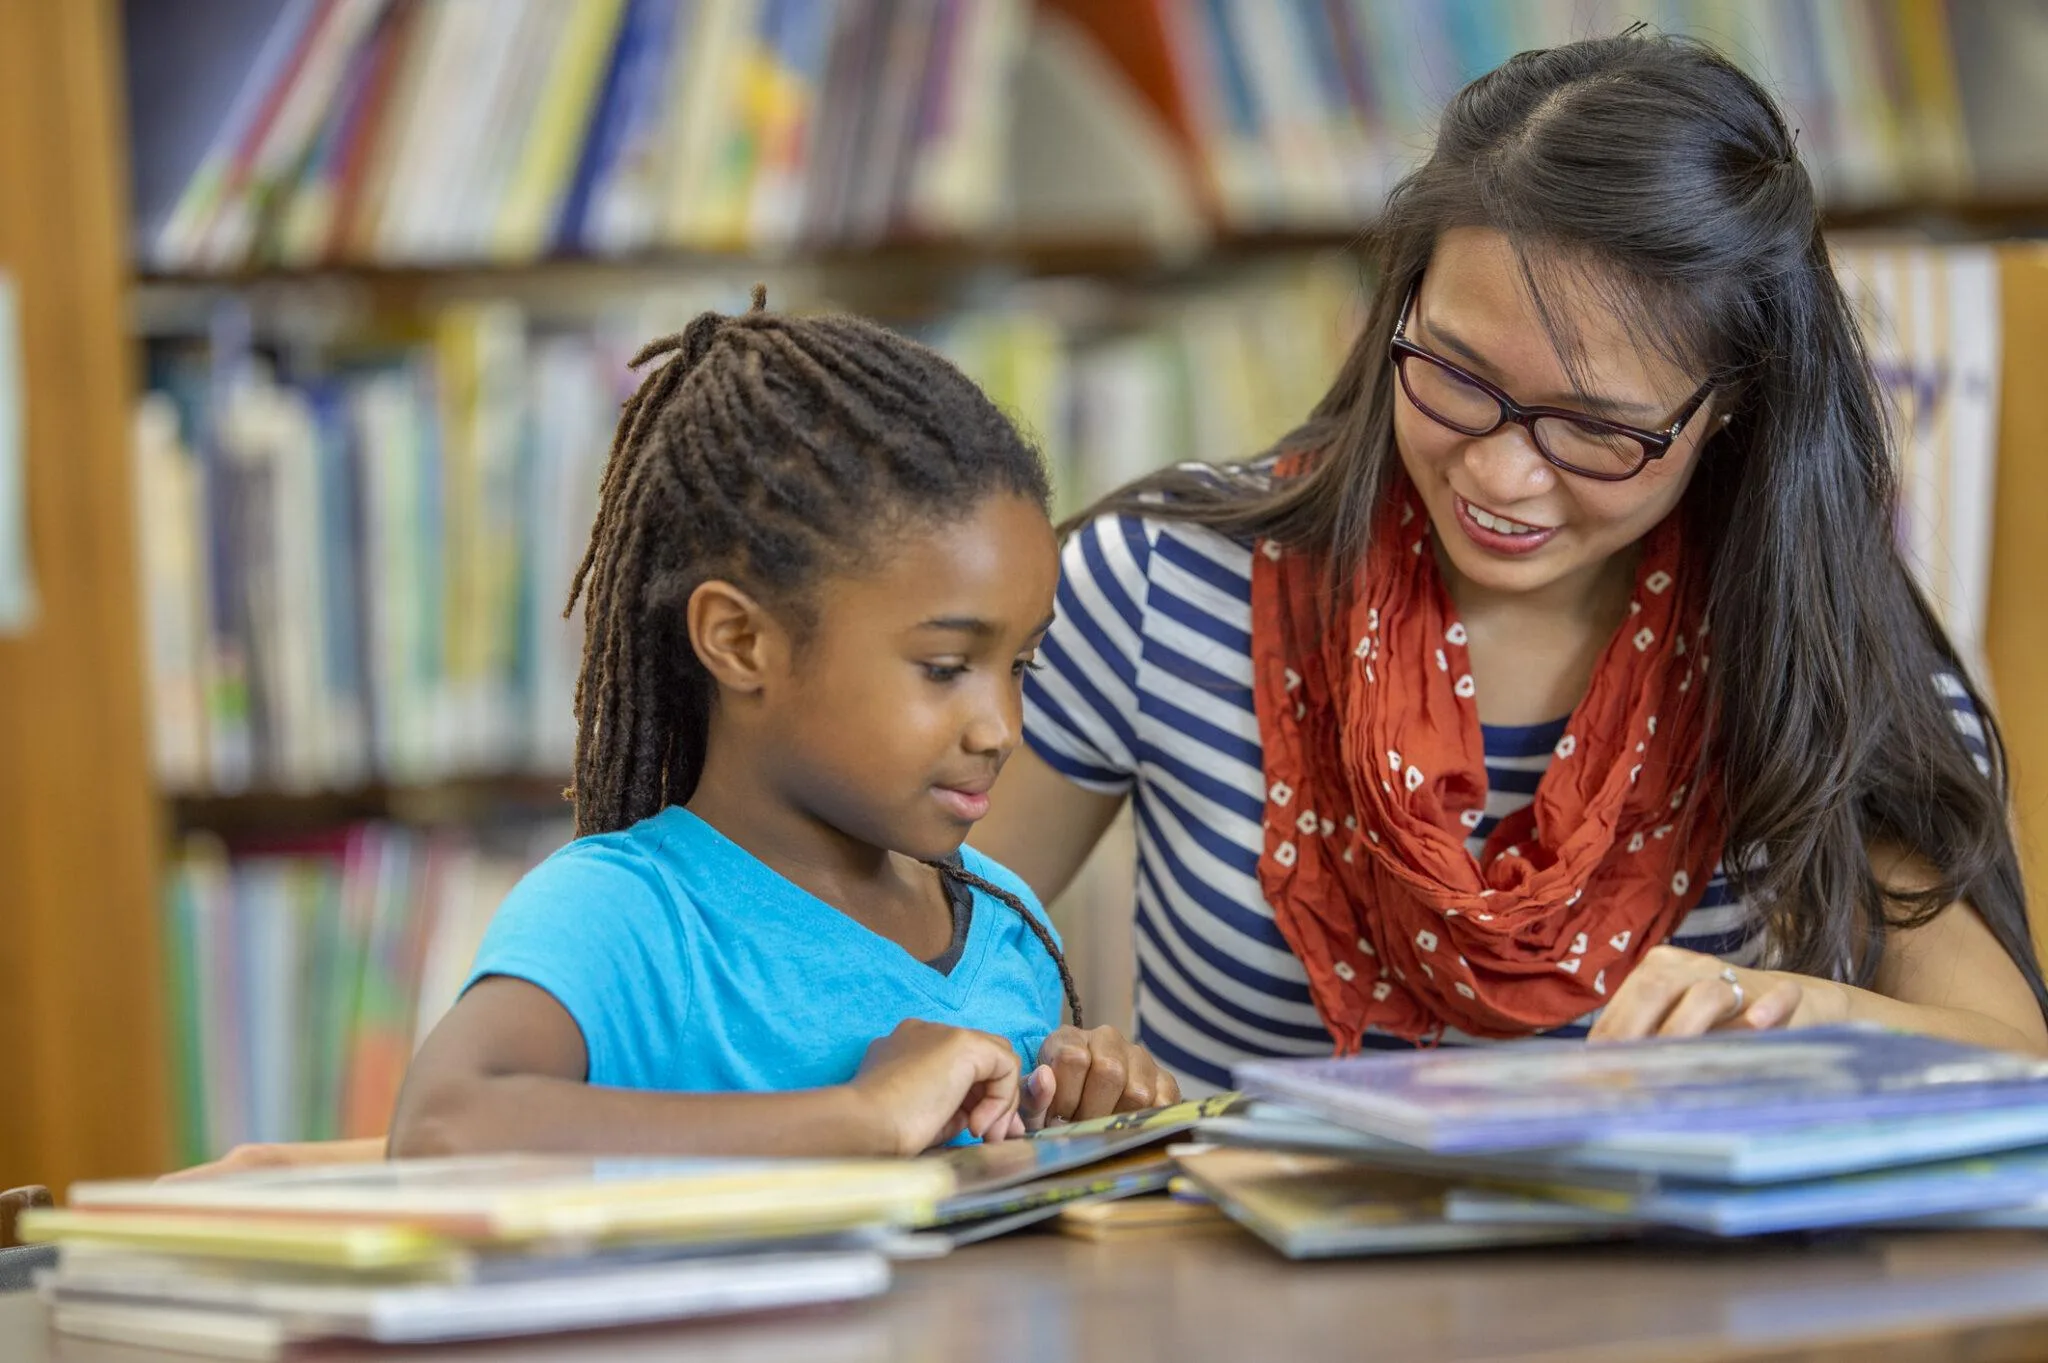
690, 966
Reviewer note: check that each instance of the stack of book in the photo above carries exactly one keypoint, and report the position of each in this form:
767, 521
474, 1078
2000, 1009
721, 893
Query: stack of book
419, 1251
415, 1251
1729, 1135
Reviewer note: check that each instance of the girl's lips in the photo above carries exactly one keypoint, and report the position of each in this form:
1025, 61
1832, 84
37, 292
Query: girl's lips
1493, 541
968, 806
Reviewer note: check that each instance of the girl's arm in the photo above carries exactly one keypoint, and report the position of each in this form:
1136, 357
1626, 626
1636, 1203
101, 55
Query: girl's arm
1948, 977
504, 1072
1041, 825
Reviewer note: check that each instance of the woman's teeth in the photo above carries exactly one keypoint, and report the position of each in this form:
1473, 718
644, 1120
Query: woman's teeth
1501, 525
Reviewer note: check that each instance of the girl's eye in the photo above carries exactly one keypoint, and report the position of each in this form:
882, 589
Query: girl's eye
943, 672
1024, 665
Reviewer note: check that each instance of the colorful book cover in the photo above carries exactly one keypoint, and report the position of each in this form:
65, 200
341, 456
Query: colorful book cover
610, 120
523, 1198
1032, 1203
300, 222
709, 107
889, 135
987, 1178
380, 1033
262, 1318
1939, 140
1550, 1093
292, 121
785, 81
187, 1025
1641, 1160
847, 104
1982, 1184
1312, 1207
488, 128
231, 755
1116, 1219
261, 1238
961, 175
179, 244
562, 123
632, 136
390, 136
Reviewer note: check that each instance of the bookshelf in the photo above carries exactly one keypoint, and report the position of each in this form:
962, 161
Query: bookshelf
1109, 239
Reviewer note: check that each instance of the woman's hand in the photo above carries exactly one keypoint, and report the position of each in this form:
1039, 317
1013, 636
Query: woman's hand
924, 1083
1675, 992
1098, 1072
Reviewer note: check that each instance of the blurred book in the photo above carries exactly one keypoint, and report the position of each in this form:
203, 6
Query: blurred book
17, 577
1138, 1218
445, 131
258, 1318
966, 1221
1540, 1093
304, 971
1012, 1184
1302, 116
1930, 316
1311, 1207
429, 132
484, 1247
1638, 1160
529, 1199
357, 531
1989, 1184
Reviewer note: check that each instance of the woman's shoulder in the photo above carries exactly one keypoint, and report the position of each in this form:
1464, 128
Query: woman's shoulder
1135, 531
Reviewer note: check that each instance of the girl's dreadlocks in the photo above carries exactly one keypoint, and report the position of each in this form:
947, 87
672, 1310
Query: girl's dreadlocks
767, 450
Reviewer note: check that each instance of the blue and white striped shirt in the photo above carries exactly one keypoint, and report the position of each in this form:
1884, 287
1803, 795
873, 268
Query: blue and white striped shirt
1145, 686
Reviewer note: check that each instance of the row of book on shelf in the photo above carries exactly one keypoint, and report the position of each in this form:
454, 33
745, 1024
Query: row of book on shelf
356, 551
1673, 1141
435, 131
304, 970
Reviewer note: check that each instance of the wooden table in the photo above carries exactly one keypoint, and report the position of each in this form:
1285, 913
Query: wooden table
1036, 1298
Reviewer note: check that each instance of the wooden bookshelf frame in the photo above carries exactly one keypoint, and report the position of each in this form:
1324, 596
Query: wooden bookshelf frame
83, 1072
2016, 634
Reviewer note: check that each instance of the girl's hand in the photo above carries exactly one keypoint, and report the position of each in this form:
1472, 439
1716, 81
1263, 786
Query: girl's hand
1675, 992
923, 1084
1098, 1072
285, 1155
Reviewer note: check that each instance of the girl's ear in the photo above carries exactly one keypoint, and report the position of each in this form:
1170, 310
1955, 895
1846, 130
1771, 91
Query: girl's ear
740, 643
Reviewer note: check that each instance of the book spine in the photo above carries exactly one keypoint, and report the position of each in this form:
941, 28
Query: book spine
179, 244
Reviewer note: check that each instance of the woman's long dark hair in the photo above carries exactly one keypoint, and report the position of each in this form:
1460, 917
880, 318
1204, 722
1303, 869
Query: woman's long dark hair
1652, 170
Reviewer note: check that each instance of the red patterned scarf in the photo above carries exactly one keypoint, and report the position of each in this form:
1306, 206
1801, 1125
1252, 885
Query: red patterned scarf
1376, 775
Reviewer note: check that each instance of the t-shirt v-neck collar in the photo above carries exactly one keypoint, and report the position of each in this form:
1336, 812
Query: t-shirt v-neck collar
840, 933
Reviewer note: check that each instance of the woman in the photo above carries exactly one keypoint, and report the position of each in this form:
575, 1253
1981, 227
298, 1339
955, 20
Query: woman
1560, 674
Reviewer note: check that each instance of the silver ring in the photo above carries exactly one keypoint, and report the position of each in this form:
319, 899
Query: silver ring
1728, 976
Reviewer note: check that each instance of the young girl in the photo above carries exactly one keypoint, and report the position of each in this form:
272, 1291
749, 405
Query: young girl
1560, 673
820, 568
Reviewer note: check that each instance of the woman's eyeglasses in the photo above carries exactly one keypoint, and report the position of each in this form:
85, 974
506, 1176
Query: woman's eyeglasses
1573, 441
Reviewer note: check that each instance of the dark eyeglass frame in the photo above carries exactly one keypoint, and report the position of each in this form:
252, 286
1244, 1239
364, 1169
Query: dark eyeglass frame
1655, 444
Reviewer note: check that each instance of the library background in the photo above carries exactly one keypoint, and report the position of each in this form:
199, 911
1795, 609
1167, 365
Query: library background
313, 325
